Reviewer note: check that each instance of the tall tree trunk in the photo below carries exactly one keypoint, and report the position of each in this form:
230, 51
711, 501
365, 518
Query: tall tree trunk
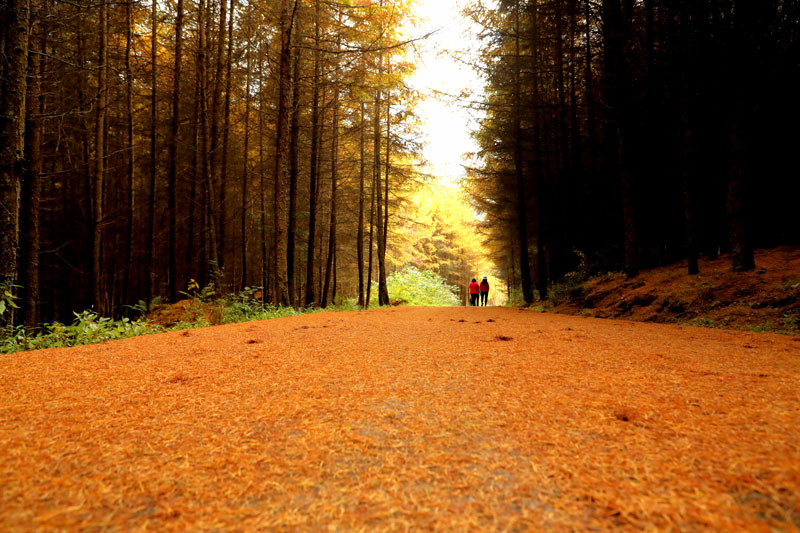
383, 288
377, 179
334, 185
172, 149
151, 198
361, 177
282, 155
223, 172
209, 213
687, 164
745, 33
521, 200
262, 187
131, 155
618, 99
216, 191
191, 270
372, 194
589, 92
738, 223
99, 160
243, 244
540, 173
314, 171
31, 186
294, 155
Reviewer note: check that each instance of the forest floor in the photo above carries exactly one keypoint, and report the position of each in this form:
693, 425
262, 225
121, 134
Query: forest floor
426, 418
766, 299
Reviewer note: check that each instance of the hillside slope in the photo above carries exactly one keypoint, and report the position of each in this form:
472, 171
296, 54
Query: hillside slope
766, 299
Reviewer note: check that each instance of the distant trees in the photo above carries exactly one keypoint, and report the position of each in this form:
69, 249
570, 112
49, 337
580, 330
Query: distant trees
220, 142
635, 132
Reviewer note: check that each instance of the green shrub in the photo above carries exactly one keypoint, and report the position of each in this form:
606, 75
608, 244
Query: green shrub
420, 287
87, 328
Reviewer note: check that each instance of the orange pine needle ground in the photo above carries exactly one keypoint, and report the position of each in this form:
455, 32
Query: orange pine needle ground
449, 418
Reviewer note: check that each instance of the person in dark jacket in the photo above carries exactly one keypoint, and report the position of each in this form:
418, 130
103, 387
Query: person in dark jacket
474, 292
484, 287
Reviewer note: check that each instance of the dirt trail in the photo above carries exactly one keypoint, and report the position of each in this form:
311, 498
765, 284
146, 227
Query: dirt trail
433, 418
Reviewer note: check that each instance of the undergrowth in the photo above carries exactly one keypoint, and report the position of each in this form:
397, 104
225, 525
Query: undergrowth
420, 287
89, 328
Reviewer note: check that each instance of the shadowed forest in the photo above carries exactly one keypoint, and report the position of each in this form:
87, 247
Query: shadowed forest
150, 147
629, 134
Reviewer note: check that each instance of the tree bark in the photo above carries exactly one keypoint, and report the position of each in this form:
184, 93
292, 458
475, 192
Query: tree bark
370, 248
172, 149
334, 185
294, 155
209, 213
98, 192
283, 156
521, 200
131, 156
151, 197
618, 98
383, 288
223, 173
31, 186
243, 243
216, 189
314, 171
360, 231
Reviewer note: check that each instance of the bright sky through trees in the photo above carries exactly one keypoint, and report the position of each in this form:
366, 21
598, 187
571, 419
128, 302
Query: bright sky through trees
446, 124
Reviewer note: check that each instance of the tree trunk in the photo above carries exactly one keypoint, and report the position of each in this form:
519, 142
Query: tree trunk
314, 171
372, 195
283, 156
131, 156
687, 164
360, 231
377, 179
172, 164
243, 243
151, 198
209, 213
262, 188
383, 289
618, 99
738, 224
191, 270
294, 155
31, 186
334, 185
521, 200
216, 190
223, 173
99, 160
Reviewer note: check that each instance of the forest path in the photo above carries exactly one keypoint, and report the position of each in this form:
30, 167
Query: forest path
436, 418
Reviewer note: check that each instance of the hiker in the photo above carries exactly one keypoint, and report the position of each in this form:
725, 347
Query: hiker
484, 287
474, 291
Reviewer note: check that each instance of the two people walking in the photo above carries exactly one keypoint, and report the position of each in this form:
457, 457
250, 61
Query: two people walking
479, 292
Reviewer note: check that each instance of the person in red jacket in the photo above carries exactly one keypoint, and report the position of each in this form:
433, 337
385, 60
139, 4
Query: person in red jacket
474, 291
484, 291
